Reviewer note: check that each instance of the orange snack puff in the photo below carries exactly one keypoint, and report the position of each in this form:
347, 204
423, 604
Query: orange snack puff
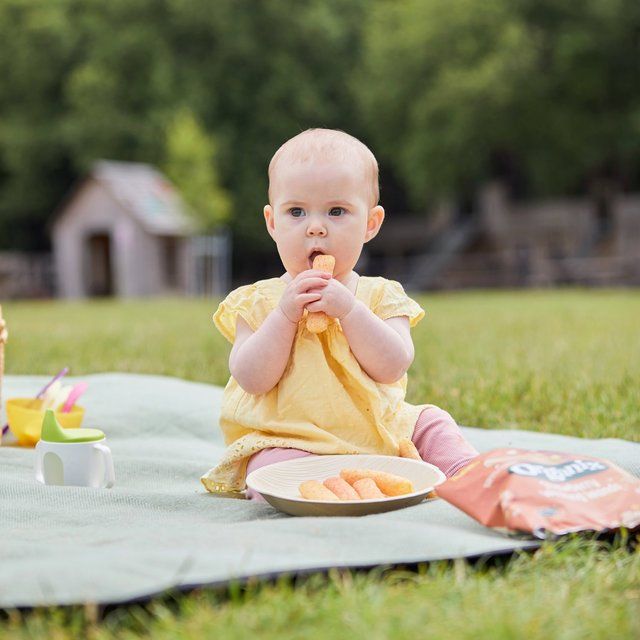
367, 489
318, 321
406, 449
388, 483
315, 490
341, 488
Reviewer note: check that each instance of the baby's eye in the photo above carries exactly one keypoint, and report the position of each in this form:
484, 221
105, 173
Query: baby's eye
337, 211
296, 212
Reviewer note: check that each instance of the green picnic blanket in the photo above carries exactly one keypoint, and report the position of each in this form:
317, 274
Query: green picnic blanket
158, 529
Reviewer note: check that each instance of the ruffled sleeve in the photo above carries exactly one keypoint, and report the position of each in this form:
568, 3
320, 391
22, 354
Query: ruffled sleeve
393, 301
248, 302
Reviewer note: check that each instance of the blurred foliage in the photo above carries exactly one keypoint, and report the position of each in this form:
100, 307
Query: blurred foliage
448, 92
190, 164
542, 93
86, 79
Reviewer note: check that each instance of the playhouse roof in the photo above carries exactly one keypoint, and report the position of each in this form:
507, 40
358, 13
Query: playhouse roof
147, 194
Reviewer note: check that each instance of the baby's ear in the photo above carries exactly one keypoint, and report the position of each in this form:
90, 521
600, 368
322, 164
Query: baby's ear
269, 219
374, 222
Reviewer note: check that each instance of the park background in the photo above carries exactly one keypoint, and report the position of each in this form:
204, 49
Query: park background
533, 103
508, 133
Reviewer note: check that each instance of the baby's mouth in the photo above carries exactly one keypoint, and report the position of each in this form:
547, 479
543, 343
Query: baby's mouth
313, 256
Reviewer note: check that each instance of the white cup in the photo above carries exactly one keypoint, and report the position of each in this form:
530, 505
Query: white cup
84, 464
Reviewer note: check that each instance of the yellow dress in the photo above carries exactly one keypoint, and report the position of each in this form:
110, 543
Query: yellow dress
324, 403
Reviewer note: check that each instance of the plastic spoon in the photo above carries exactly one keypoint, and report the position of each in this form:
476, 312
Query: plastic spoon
63, 372
75, 393
49, 398
61, 396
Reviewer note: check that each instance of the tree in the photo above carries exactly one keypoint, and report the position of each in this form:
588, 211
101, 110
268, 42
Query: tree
87, 79
258, 73
465, 90
191, 165
81, 80
36, 48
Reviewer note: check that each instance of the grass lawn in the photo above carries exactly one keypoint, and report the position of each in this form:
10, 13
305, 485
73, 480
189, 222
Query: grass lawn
565, 361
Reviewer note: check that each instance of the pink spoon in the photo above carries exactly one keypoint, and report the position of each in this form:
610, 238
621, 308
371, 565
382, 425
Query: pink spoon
74, 394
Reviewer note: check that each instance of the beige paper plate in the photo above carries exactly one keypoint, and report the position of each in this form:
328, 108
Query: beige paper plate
279, 483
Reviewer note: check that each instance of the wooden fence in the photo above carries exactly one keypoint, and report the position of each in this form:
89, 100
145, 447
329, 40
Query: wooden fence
26, 275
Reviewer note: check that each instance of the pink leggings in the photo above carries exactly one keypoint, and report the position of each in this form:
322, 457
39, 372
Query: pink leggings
436, 436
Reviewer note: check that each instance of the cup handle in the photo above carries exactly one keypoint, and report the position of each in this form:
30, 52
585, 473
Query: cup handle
110, 474
39, 471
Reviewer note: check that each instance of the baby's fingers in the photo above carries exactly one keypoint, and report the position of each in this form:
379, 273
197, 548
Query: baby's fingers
304, 299
312, 283
314, 306
311, 273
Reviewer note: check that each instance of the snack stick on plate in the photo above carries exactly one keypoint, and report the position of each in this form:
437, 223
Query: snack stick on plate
407, 449
388, 483
341, 488
315, 490
367, 489
317, 322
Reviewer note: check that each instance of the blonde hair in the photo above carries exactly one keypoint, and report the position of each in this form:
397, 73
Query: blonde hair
328, 144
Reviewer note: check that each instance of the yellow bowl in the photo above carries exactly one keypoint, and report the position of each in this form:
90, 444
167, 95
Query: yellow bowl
25, 416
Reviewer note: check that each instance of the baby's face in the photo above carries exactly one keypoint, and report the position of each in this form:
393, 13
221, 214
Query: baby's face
321, 206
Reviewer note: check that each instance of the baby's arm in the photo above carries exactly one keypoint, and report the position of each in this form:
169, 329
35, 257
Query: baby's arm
383, 348
258, 359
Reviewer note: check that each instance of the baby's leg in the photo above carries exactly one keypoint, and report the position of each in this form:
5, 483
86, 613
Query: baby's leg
270, 456
440, 441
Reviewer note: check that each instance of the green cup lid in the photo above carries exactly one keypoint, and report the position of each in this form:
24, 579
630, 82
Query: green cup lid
53, 432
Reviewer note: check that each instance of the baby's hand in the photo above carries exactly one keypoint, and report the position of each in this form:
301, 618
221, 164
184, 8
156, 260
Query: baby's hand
297, 294
335, 300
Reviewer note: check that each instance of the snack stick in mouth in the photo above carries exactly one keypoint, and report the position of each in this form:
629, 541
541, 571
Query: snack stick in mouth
341, 488
388, 483
367, 489
317, 322
315, 490
407, 449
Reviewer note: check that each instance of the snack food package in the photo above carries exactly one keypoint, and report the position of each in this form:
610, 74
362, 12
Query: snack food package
545, 493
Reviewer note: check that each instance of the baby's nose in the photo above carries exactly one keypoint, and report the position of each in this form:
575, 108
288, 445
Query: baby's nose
316, 228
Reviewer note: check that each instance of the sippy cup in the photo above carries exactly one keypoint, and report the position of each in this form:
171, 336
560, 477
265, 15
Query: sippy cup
77, 457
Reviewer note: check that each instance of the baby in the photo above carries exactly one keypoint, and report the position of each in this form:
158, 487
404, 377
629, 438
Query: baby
295, 393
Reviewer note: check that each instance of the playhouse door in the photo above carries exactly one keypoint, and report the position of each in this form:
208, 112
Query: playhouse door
100, 280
